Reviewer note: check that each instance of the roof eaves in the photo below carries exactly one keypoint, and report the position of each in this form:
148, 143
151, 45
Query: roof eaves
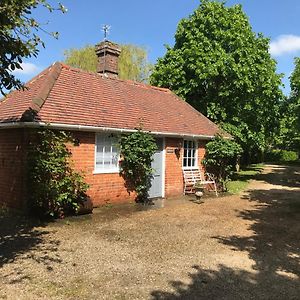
88, 128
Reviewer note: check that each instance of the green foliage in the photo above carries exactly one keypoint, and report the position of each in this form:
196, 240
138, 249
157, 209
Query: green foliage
241, 179
278, 155
54, 187
18, 38
84, 58
137, 150
221, 158
223, 69
236, 186
289, 137
133, 61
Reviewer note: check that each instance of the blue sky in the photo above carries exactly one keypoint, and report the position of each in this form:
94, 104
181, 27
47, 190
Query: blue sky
152, 24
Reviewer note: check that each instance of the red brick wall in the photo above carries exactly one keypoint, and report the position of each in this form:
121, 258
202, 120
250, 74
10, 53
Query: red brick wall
110, 188
12, 171
201, 153
104, 188
173, 176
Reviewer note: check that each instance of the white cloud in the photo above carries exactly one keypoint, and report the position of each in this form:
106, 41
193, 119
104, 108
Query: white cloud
28, 69
285, 44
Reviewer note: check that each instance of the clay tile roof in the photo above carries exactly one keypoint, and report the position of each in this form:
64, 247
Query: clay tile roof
65, 95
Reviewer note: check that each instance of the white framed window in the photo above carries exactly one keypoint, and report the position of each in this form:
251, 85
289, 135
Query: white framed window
106, 154
189, 154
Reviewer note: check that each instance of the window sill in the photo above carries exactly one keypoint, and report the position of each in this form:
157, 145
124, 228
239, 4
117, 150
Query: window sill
95, 172
190, 168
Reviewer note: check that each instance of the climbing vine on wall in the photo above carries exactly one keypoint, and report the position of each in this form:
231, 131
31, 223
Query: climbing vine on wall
136, 150
54, 188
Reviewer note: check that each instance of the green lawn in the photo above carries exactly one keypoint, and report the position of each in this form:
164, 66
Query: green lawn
241, 179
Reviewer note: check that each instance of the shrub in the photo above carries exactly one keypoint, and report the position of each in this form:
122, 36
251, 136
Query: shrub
136, 151
278, 155
221, 157
54, 188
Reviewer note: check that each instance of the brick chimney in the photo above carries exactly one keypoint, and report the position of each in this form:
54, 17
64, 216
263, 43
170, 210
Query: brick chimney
108, 56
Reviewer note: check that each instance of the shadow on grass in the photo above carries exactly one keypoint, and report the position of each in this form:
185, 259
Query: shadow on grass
24, 239
247, 173
273, 245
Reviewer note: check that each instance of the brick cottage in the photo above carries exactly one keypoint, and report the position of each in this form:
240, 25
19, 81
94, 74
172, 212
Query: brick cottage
96, 108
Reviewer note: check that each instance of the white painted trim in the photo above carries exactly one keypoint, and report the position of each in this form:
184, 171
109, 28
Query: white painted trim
95, 154
103, 171
95, 172
164, 169
99, 129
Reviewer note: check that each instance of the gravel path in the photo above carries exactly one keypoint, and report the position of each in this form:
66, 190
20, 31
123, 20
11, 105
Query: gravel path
235, 247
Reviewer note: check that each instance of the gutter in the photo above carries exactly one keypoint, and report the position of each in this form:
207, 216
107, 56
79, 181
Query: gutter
98, 129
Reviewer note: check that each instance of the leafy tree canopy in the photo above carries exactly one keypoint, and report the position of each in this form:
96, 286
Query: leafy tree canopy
289, 137
133, 61
19, 37
222, 68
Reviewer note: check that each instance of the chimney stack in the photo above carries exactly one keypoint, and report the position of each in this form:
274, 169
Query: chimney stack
108, 56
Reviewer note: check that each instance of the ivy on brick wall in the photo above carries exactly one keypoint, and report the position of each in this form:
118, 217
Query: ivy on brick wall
54, 188
136, 151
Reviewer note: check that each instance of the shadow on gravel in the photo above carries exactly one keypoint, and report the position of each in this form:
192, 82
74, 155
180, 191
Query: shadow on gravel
287, 176
274, 246
228, 283
20, 240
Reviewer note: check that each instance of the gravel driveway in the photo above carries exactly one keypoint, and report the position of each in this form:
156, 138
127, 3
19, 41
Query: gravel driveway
234, 247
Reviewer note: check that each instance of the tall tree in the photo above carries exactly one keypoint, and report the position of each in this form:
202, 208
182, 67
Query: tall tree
222, 68
19, 37
133, 61
289, 137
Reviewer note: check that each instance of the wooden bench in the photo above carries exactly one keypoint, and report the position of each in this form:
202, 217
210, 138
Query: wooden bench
193, 176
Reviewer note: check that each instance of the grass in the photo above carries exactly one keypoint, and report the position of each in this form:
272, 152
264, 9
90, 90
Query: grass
241, 179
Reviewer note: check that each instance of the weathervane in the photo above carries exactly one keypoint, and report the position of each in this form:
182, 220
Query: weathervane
105, 29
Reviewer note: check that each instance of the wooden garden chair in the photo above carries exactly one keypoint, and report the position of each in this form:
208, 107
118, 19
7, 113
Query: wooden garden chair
193, 176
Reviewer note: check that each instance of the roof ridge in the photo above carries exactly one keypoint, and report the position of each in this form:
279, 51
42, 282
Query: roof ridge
38, 101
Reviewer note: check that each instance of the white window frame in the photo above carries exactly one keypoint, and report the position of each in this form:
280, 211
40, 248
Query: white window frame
114, 169
196, 154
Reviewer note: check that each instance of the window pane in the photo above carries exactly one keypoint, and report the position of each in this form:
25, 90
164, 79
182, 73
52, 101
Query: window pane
193, 153
184, 153
193, 162
115, 160
189, 153
114, 155
99, 164
107, 156
106, 153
